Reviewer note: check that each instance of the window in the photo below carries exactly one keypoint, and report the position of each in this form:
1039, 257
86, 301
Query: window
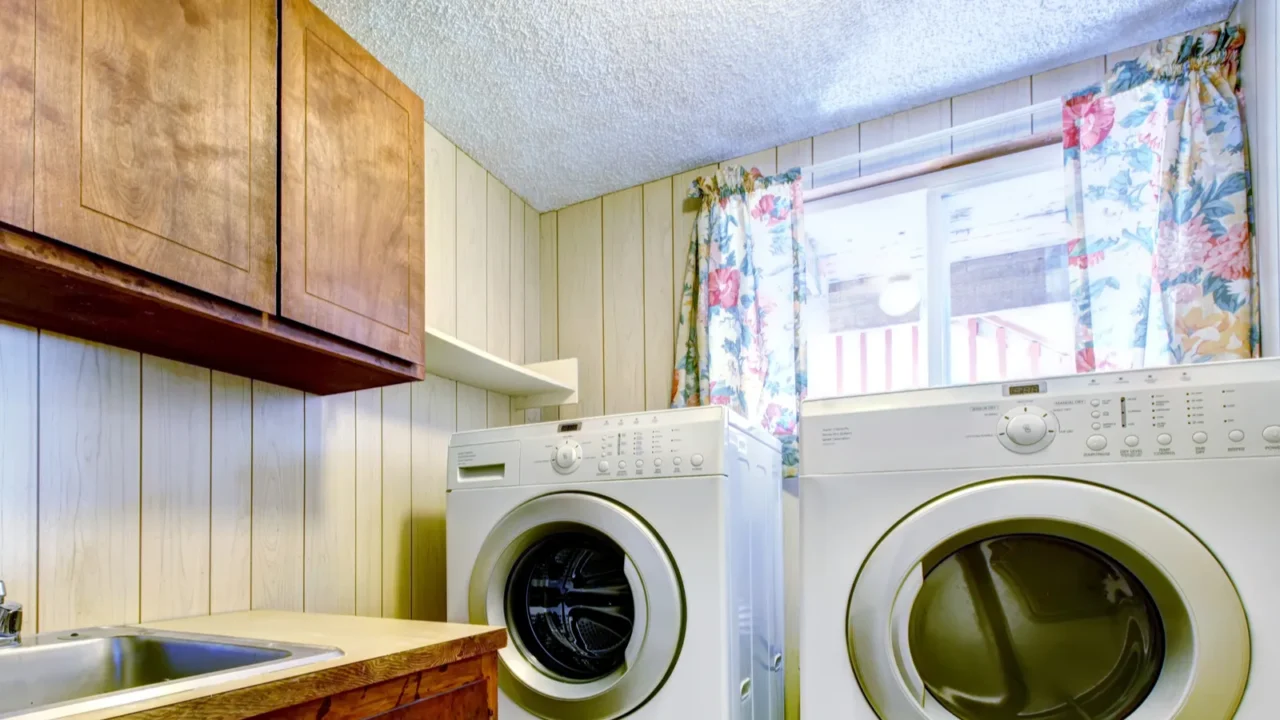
958, 276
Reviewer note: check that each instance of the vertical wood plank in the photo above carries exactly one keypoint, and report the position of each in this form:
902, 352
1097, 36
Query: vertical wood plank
19, 357
659, 333
798, 154
397, 502
833, 146
581, 303
17, 112
497, 410
278, 498
987, 102
549, 295
532, 298
624, 302
369, 535
472, 254
517, 299
499, 269
1129, 53
532, 287
433, 407
442, 231
766, 161
176, 505
903, 126
90, 473
1055, 83
330, 529
230, 493
472, 408
684, 213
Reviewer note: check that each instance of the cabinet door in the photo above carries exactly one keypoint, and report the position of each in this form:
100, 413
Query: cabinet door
351, 195
17, 107
155, 138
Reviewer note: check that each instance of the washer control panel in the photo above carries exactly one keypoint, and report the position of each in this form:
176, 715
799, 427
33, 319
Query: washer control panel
1214, 410
668, 443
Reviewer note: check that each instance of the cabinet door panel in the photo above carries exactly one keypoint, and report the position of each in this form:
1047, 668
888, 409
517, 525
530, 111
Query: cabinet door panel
155, 138
17, 108
351, 224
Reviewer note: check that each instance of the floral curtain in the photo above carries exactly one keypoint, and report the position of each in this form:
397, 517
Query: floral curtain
739, 340
1161, 259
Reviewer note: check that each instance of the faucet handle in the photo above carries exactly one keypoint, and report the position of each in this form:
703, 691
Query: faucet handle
1, 592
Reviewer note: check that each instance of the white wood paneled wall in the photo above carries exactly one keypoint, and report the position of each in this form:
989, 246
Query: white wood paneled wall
612, 268
135, 488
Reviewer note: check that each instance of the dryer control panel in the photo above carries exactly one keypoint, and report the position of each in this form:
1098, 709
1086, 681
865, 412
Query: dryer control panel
1203, 411
667, 443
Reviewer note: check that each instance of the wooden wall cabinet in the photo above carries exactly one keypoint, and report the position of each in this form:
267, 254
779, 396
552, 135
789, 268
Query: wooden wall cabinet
351, 223
139, 150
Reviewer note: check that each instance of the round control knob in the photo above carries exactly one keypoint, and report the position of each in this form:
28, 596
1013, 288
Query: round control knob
1271, 433
567, 456
1131, 441
696, 460
1096, 442
1164, 438
1236, 436
1026, 429
603, 466
1199, 437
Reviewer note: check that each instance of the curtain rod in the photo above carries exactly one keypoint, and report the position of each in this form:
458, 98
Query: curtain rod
850, 162
1009, 147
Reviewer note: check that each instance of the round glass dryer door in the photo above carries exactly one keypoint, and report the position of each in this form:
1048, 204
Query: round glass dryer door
1046, 599
591, 600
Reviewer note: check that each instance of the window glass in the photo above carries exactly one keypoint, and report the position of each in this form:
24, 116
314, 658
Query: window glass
871, 257
570, 607
1035, 626
1010, 303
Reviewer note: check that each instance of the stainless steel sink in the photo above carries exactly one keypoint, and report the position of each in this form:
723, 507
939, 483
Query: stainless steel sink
54, 675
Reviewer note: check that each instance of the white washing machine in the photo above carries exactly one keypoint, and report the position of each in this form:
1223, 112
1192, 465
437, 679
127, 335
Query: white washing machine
1098, 546
635, 561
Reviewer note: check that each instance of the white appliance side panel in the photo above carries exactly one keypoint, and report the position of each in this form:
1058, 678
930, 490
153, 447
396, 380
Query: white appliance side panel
1227, 504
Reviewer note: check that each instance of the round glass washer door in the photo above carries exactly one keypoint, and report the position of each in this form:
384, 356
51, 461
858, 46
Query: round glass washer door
1048, 599
591, 601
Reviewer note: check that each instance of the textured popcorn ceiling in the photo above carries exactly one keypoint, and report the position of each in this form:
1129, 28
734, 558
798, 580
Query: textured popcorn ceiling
566, 100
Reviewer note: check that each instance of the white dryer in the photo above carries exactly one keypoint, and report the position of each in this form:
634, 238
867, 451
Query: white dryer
635, 561
1098, 546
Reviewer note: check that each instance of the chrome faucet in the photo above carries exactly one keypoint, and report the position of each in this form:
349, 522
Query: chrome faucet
10, 619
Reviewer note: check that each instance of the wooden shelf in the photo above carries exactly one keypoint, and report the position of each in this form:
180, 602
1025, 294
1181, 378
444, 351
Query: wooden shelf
554, 382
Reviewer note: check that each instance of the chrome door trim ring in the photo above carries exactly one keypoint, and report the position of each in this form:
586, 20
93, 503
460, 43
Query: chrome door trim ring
1207, 632
656, 587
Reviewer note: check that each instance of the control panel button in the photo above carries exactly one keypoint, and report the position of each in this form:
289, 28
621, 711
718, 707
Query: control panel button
1096, 442
603, 466
1095, 402
1271, 433
1131, 441
1236, 436
1095, 414
675, 461
1026, 429
567, 456
1200, 437
696, 460
1164, 438
657, 462
639, 463
1097, 426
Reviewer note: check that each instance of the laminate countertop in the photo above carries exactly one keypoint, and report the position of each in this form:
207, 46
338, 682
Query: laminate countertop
374, 650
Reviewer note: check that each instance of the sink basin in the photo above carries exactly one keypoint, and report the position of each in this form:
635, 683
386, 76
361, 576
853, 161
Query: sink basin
54, 675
